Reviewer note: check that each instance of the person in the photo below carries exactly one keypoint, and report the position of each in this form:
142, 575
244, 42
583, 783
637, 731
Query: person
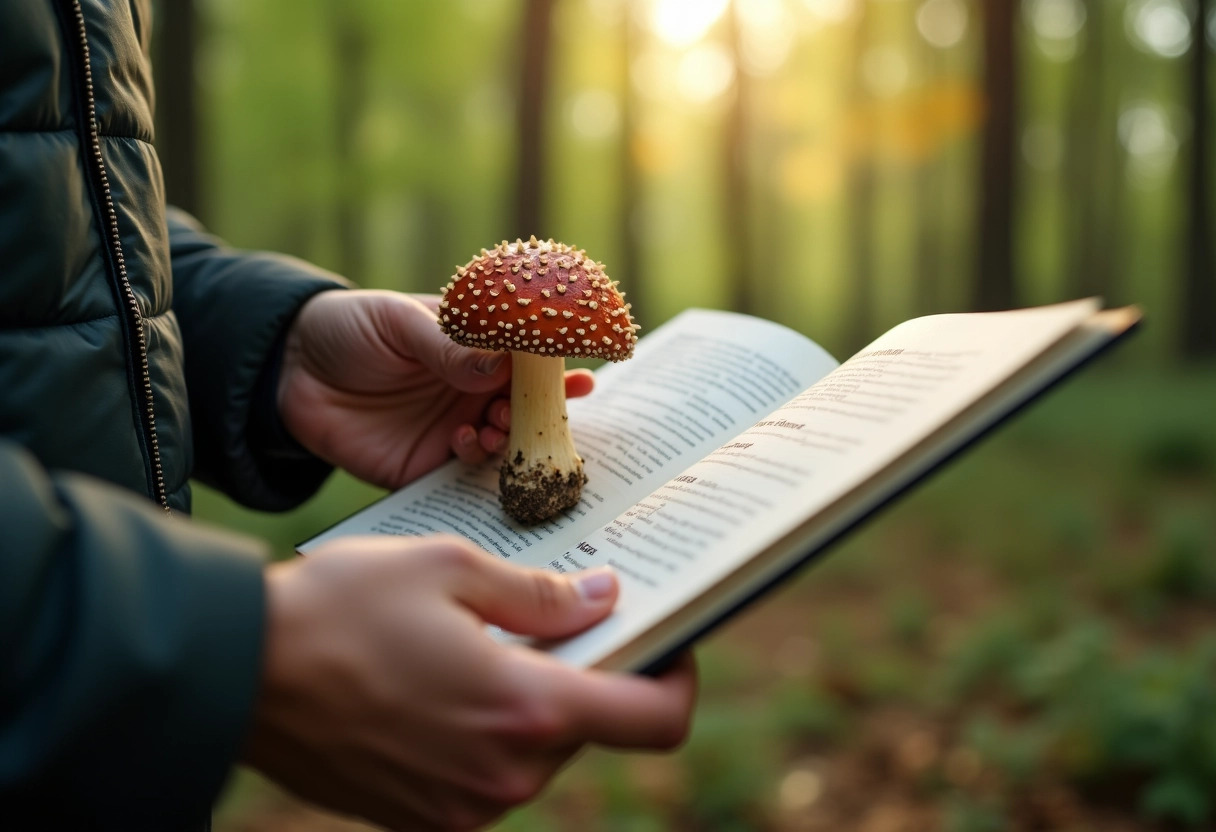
141, 654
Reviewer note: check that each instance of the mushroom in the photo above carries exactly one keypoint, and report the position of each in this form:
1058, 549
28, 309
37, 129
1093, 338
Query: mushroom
543, 301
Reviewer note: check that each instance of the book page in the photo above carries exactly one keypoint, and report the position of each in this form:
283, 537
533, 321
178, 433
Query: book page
699, 527
691, 385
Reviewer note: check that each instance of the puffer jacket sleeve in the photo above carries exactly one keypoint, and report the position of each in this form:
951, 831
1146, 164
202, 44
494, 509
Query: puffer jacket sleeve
130, 651
234, 308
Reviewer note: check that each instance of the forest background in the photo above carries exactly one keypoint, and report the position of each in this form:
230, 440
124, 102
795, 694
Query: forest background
1027, 642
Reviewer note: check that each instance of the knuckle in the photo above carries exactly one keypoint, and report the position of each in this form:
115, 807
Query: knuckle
542, 724
532, 719
549, 593
455, 553
453, 358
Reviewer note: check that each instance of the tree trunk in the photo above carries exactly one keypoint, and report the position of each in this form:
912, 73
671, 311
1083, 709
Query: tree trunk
175, 61
1089, 165
534, 46
351, 48
736, 186
931, 205
629, 206
994, 280
863, 183
1199, 290
929, 260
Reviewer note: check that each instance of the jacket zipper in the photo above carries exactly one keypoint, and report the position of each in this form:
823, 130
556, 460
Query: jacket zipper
136, 337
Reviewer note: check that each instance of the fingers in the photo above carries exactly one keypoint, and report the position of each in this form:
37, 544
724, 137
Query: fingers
467, 369
499, 414
579, 383
474, 370
532, 601
430, 301
622, 711
492, 439
626, 711
472, 446
466, 446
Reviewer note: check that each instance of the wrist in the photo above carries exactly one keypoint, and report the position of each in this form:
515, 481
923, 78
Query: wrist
268, 433
280, 619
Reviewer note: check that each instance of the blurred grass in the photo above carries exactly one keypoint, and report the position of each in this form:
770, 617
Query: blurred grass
1023, 643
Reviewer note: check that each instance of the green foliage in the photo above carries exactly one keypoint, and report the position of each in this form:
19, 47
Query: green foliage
730, 768
986, 656
1179, 452
1017, 752
1103, 722
1179, 798
1184, 565
724, 671
1174, 566
526, 820
908, 616
622, 807
964, 814
1070, 663
890, 676
1159, 717
803, 713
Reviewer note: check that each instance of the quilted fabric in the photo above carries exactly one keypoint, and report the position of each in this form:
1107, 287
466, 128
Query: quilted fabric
71, 392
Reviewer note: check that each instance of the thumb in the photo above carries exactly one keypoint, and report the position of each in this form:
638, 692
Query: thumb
468, 369
532, 601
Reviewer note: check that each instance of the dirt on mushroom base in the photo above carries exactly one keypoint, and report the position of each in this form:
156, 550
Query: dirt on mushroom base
533, 494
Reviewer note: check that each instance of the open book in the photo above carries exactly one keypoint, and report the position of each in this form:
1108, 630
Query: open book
730, 451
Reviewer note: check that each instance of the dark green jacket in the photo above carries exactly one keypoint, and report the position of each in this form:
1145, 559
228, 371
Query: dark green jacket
133, 355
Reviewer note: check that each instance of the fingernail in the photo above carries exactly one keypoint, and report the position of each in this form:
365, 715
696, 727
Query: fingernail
595, 585
466, 436
501, 444
488, 364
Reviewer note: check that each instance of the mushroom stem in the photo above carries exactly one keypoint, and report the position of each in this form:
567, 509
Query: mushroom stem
542, 473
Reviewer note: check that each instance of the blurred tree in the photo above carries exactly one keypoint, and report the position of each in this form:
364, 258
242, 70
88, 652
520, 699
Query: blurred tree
351, 48
930, 187
535, 47
1090, 188
994, 286
424, 142
769, 224
863, 183
1199, 287
175, 58
736, 187
629, 227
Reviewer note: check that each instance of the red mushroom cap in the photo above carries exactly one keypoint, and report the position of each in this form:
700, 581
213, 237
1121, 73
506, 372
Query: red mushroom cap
541, 297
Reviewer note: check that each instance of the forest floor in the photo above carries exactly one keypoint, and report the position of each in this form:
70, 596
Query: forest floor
1028, 642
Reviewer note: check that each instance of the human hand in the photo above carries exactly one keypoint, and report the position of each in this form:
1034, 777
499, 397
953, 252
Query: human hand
384, 697
370, 383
